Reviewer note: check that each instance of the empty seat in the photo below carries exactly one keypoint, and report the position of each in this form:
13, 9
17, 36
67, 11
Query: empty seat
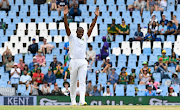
41, 26
22, 26
119, 90
31, 26
52, 26
156, 44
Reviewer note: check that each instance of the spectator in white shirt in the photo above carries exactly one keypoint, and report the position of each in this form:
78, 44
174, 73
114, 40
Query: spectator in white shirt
15, 72
25, 79
171, 92
66, 89
45, 89
154, 28
108, 93
153, 18
90, 54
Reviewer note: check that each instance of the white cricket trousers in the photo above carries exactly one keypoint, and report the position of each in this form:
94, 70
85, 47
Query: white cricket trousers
78, 67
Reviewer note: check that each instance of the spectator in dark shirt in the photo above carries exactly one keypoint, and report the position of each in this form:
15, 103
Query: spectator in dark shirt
105, 49
82, 1
171, 29
138, 35
61, 4
31, 65
164, 19
54, 63
33, 48
106, 65
95, 91
4, 5
50, 77
75, 11
160, 67
57, 91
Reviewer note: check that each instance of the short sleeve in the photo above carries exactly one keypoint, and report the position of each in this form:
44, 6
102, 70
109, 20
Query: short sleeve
12, 70
30, 79
21, 78
71, 36
156, 28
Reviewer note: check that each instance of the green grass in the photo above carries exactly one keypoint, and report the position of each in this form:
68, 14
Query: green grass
125, 107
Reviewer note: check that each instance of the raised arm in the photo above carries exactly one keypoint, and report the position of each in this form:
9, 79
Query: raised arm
68, 31
94, 22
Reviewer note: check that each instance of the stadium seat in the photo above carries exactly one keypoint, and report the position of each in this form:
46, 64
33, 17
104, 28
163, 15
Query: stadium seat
157, 51
29, 2
146, 45
156, 44
157, 76
175, 88
135, 44
132, 64
116, 51
162, 37
147, 51
153, 57
44, 7
171, 38
119, 90
21, 88
31, 26
14, 81
19, 2
132, 57
111, 8
127, 51
168, 51
15, 8
122, 57
100, 2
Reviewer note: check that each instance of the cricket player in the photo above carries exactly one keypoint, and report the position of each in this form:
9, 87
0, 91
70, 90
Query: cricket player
78, 64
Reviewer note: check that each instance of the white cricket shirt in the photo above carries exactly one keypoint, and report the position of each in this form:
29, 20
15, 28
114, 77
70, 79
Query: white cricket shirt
77, 46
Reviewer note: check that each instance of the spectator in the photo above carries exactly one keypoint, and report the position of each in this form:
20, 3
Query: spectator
113, 78
123, 28
31, 65
27, 69
89, 70
46, 47
4, 5
171, 92
149, 36
7, 53
138, 35
105, 49
153, 18
90, 54
162, 6
162, 28
53, 64
15, 72
154, 84
150, 5
56, 91
66, 47
164, 56
67, 74
133, 72
89, 88
131, 79
21, 64
96, 92
58, 70
139, 5
41, 59
38, 76
36, 65
25, 79
45, 89
50, 77
60, 5
171, 29
123, 78
66, 89
106, 65
172, 60
33, 48
75, 11
160, 66
108, 93
175, 79
82, 1
113, 28
154, 28
150, 92
145, 64
145, 77
53, 5
178, 32
34, 89
175, 21
9, 64
124, 69
164, 19
72, 3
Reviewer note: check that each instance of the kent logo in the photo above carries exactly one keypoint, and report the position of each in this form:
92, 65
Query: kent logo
18, 100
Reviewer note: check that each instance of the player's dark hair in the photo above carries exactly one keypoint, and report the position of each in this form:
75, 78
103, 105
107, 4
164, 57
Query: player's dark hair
79, 28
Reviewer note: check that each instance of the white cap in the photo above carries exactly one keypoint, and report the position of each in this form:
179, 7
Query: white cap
158, 91
163, 15
108, 58
34, 57
153, 15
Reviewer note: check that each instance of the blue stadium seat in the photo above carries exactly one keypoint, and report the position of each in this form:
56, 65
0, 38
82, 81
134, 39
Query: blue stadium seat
135, 14
146, 14
168, 51
60, 82
9, 32
130, 90
122, 7
120, 2
28, 57
38, 19
147, 51
110, 2
29, 2
4, 38
89, 20
19, 2
21, 88
137, 20
83, 7
45, 69
122, 57
171, 38
175, 88
108, 20
178, 8
132, 64
103, 32
153, 57
113, 57
132, 57
164, 87
92, 78
14, 8
115, 14
34, 14
172, 69
171, 8
171, 2
126, 14
44, 7
11, 26
17, 57
55, 50
54, 14
27, 20
157, 76
63, 32
143, 57
119, 38
162, 38
105, 14
141, 87
158, 14
49, 20
4, 76
100, 2
53, 32
3, 83
103, 26
2, 14
12, 14
33, 7
143, 25
16, 20
157, 51
49, 57
22, 14
168, 15
121, 64
11, 2
44, 14
140, 93
102, 78
112, 8
118, 20
129, 2
163, 93
140, 64
78, 19
90, 2
114, 44
14, 81
53, 43
119, 90
92, 8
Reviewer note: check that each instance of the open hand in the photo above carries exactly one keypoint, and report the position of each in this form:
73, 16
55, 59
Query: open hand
66, 10
97, 11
